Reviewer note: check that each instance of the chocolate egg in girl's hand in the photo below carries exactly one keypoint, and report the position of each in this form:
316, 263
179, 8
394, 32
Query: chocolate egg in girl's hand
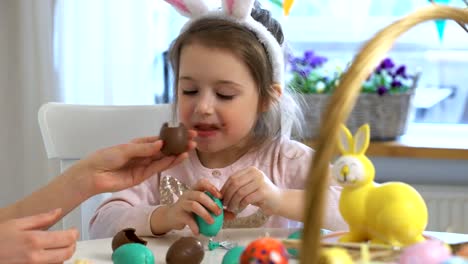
175, 139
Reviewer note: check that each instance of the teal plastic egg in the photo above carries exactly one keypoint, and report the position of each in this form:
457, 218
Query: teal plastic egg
211, 230
233, 255
133, 253
296, 235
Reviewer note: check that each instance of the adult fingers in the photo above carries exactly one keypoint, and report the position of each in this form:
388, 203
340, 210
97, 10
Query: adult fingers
159, 165
55, 255
142, 150
151, 139
179, 158
40, 221
192, 134
54, 239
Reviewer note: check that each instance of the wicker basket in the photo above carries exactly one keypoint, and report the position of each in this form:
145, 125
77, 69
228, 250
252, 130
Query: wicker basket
387, 115
340, 105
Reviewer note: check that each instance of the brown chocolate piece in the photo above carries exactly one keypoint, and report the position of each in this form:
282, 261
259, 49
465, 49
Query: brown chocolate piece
175, 139
187, 250
126, 236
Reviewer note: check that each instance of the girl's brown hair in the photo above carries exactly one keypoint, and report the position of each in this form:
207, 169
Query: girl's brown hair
233, 37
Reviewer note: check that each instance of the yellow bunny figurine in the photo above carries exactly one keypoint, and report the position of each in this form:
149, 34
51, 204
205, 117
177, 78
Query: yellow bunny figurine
392, 213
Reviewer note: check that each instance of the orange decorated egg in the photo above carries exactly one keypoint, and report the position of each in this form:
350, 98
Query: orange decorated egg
265, 251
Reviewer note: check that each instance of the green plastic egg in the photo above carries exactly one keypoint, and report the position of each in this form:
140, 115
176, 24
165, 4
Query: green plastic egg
296, 235
133, 253
211, 230
233, 255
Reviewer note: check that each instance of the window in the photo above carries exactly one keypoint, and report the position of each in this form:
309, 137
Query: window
111, 52
338, 28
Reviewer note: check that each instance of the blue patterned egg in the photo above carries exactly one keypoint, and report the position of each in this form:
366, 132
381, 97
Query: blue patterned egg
233, 255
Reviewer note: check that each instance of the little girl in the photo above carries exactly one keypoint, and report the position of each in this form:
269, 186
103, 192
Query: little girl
228, 68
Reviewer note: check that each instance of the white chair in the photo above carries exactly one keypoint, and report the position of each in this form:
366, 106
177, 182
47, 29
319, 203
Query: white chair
71, 132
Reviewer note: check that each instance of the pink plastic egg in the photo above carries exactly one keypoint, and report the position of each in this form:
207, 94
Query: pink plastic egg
427, 252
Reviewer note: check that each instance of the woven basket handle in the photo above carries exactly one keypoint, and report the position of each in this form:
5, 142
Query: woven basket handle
340, 105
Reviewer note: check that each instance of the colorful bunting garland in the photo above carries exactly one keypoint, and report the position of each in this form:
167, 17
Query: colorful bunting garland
440, 24
286, 5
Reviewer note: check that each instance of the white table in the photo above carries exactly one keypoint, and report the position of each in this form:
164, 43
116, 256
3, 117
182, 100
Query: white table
100, 251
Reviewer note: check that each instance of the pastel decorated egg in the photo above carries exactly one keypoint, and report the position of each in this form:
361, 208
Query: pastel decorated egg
455, 260
335, 256
265, 251
296, 235
427, 252
463, 251
133, 253
233, 255
211, 230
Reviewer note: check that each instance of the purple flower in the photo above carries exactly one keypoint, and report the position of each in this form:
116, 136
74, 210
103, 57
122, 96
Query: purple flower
382, 90
304, 73
309, 54
386, 64
396, 84
401, 71
311, 60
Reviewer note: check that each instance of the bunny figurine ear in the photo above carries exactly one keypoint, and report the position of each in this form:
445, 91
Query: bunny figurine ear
345, 141
189, 8
361, 139
239, 9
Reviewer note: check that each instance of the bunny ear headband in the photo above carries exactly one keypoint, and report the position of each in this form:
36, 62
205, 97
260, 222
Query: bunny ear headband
236, 11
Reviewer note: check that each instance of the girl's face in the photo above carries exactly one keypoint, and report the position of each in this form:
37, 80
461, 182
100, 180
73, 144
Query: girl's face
217, 97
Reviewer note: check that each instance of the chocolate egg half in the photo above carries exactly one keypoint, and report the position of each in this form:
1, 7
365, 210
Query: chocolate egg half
187, 250
175, 139
126, 236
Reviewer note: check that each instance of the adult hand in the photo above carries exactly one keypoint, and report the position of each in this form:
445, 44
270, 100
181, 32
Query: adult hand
123, 166
250, 186
24, 241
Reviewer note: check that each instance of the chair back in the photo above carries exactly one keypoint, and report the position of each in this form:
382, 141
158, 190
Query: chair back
71, 132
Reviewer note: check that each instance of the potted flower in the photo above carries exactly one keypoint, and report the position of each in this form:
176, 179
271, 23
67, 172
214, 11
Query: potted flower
384, 101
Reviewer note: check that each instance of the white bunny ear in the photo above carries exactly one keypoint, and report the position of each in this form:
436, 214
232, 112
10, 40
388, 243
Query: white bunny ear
361, 139
239, 9
189, 8
345, 141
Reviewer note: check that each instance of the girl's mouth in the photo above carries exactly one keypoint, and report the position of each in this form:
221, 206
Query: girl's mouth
206, 130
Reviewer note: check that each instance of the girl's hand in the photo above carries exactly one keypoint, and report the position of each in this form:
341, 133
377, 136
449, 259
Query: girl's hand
24, 241
123, 166
251, 186
195, 201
